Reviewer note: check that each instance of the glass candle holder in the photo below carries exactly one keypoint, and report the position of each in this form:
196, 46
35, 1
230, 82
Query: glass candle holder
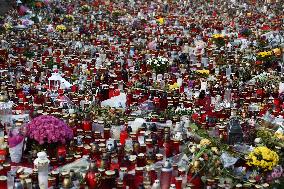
107, 133
110, 178
3, 182
159, 157
3, 154
80, 148
123, 137
141, 161
97, 135
166, 175
132, 161
176, 147
86, 126
138, 176
122, 173
51, 182
86, 150
88, 139
178, 182
6, 168
10, 179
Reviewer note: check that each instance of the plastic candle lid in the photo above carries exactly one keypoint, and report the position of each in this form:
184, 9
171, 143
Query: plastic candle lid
42, 158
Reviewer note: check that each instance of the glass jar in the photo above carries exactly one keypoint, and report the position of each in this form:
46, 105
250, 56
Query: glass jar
3, 181
132, 160
18, 184
138, 176
55, 174
247, 185
178, 182
86, 150
97, 135
6, 168
29, 184
52, 182
120, 185
149, 144
100, 126
166, 175
3, 154
115, 132
209, 183
159, 157
141, 161
110, 178
80, 149
88, 137
176, 147
107, 134
122, 173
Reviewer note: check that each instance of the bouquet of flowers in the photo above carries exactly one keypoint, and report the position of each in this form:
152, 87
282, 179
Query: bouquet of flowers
60, 28
205, 142
279, 134
266, 56
218, 39
270, 139
161, 21
174, 86
48, 129
7, 26
245, 32
69, 18
16, 142
277, 51
86, 8
262, 157
159, 64
116, 14
204, 73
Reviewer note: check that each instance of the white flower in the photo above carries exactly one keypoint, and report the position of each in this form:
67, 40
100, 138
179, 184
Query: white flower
257, 140
192, 149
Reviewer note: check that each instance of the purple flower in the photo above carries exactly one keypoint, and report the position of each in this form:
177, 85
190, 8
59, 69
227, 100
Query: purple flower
15, 140
48, 129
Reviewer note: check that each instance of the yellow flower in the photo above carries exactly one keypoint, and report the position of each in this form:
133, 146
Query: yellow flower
215, 36
8, 26
205, 142
277, 51
173, 86
86, 7
203, 72
279, 135
215, 150
263, 157
161, 21
265, 54
60, 28
69, 17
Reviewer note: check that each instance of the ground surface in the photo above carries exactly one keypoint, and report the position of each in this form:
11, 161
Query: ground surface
5, 5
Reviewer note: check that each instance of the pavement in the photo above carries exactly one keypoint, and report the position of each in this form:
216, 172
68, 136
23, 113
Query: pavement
5, 5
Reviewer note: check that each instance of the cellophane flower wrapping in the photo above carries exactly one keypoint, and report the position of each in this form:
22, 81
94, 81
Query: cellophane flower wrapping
16, 152
48, 129
159, 64
15, 137
16, 142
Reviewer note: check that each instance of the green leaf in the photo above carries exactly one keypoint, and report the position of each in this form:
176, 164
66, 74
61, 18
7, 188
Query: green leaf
193, 126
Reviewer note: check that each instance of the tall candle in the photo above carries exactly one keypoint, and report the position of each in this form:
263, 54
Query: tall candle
166, 175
